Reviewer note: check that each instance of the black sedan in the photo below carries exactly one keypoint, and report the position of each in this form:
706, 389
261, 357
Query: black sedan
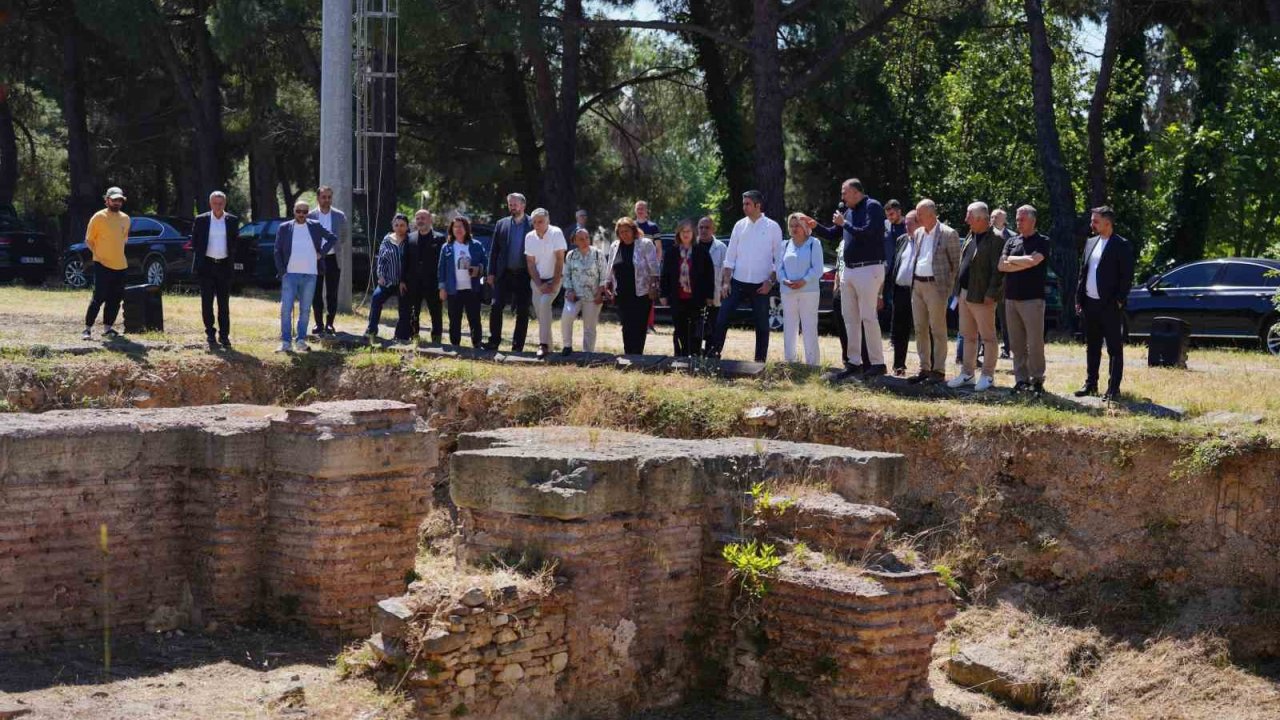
255, 260
24, 254
1228, 299
157, 253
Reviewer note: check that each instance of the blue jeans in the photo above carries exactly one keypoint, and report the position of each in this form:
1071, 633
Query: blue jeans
740, 293
380, 295
299, 288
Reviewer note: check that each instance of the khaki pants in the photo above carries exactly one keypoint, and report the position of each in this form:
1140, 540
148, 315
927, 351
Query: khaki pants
542, 306
1025, 321
978, 324
929, 310
859, 293
590, 317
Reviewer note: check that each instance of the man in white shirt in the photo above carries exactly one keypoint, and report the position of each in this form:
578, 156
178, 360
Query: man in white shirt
300, 245
755, 248
325, 304
544, 250
212, 237
937, 256
1106, 275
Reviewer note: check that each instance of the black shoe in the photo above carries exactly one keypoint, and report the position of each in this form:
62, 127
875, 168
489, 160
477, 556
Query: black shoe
899, 372
920, 377
1037, 388
566, 351
542, 352
436, 339
110, 333
225, 343
87, 334
1004, 355
328, 330
850, 371
874, 371
213, 344
1111, 396
1020, 387
1086, 390
317, 331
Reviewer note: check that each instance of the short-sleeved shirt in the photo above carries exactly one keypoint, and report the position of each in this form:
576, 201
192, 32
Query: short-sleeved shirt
543, 250
1026, 284
106, 237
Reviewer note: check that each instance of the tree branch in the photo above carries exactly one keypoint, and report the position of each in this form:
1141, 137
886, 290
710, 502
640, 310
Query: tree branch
686, 28
795, 8
643, 77
837, 50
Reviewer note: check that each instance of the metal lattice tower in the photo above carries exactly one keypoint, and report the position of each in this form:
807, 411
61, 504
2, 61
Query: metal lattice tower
376, 88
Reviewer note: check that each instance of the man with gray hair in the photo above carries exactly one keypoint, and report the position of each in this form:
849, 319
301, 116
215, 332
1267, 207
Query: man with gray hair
212, 236
934, 262
509, 273
979, 287
1025, 269
544, 250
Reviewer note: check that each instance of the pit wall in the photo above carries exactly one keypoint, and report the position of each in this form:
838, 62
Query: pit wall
222, 513
647, 609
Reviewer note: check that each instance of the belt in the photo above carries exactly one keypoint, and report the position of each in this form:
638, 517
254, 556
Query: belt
924, 278
851, 266
217, 260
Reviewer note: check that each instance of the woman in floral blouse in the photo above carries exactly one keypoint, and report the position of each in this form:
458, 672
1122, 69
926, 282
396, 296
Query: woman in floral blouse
633, 282
688, 281
585, 273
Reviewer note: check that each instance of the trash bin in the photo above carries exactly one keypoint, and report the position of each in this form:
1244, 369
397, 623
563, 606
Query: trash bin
1168, 344
143, 309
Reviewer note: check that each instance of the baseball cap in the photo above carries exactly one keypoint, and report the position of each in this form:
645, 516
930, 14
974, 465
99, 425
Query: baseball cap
115, 192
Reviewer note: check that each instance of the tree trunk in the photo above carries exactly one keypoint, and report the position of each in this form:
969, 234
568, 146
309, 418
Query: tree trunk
82, 199
724, 108
558, 112
1062, 201
522, 126
1098, 104
8, 151
263, 201
771, 171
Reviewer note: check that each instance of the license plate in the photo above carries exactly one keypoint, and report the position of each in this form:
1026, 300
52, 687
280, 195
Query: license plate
32, 261
239, 266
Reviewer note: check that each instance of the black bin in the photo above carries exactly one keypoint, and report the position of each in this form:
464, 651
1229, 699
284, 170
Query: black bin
1168, 344
143, 309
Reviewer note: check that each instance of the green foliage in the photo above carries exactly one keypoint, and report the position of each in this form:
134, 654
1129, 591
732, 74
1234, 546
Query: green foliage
948, 578
752, 563
1205, 458
764, 502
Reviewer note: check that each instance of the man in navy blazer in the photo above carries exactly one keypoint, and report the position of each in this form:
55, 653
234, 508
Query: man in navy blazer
213, 240
298, 269
509, 273
1106, 275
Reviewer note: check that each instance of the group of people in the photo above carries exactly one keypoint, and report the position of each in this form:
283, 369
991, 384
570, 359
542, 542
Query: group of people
913, 263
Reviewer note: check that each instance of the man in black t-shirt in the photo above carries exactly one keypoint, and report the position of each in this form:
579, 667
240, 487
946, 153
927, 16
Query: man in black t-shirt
1026, 270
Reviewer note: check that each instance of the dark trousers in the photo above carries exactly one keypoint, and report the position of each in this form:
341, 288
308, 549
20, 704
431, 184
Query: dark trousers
900, 329
838, 313
685, 318
511, 288
108, 291
707, 328
1103, 322
741, 293
380, 296
468, 301
418, 294
327, 292
215, 284
633, 313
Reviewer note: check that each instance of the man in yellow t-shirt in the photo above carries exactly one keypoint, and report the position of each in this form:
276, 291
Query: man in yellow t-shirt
106, 236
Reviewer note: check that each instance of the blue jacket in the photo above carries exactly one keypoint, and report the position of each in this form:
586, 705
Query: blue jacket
803, 262
321, 238
863, 232
448, 279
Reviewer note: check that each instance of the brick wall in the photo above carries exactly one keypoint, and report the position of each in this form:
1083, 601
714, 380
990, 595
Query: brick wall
219, 513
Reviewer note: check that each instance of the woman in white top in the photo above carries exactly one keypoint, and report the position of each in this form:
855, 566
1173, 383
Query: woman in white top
544, 250
799, 271
585, 272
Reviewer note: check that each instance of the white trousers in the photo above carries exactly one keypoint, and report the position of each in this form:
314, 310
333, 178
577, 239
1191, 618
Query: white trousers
860, 289
542, 306
590, 318
800, 312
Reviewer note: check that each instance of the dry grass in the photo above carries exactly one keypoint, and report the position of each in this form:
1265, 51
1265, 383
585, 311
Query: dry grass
443, 578
1094, 677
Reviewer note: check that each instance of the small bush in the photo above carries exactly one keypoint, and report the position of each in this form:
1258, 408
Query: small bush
752, 563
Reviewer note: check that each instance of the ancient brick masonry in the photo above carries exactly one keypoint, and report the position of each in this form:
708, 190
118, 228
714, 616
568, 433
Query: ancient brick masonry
649, 611
219, 513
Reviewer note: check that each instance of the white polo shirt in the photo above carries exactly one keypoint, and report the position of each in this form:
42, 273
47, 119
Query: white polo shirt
543, 250
755, 248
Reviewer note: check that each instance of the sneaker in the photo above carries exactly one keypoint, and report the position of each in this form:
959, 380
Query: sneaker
899, 372
566, 351
317, 331
301, 346
284, 347
984, 383
959, 381
110, 333
542, 351
87, 334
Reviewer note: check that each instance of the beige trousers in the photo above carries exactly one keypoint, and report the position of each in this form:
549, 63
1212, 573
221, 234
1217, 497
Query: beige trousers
978, 324
929, 311
1025, 320
542, 306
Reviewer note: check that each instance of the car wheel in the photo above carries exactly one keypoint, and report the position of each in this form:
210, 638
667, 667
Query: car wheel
775, 313
1271, 336
74, 273
153, 269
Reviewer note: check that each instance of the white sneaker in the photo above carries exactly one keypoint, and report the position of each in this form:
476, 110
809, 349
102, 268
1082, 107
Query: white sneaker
959, 381
284, 348
301, 346
984, 383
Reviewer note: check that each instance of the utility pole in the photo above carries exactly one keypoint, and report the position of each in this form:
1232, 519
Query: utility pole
336, 127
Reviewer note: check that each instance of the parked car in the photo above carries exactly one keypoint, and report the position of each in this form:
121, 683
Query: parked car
826, 284
24, 253
1229, 298
157, 253
258, 255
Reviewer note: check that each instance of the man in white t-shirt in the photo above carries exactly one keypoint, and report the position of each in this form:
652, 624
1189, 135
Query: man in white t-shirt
299, 247
544, 250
